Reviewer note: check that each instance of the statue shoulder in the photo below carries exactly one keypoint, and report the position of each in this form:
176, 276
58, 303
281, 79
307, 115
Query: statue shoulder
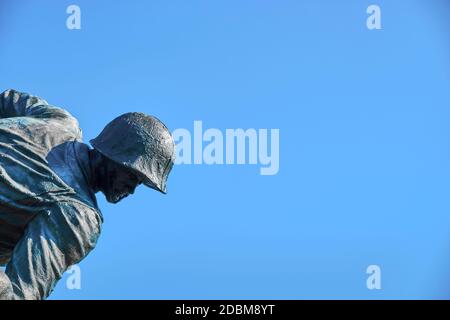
78, 215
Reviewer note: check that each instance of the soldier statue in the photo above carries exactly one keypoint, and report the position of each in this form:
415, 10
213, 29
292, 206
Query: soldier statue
49, 217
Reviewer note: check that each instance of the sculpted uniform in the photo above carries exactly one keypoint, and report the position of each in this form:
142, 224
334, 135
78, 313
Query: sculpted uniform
49, 218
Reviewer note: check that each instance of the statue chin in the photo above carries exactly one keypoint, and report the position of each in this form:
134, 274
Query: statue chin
114, 198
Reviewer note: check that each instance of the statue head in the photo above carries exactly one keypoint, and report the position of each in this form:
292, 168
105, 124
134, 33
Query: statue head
132, 149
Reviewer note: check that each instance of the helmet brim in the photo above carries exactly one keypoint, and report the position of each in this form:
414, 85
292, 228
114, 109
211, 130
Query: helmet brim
145, 180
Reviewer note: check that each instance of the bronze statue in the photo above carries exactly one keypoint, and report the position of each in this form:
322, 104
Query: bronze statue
49, 217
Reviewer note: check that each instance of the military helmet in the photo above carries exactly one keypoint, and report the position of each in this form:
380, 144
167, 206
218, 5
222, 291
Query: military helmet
141, 143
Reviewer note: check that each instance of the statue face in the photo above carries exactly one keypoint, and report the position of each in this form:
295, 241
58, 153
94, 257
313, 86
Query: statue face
120, 182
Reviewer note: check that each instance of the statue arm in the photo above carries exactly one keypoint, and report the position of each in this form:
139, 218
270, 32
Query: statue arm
53, 241
19, 104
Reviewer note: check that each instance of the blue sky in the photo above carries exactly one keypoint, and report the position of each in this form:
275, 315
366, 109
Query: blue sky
363, 116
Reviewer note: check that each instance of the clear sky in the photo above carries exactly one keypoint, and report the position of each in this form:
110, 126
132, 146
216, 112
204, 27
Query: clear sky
364, 122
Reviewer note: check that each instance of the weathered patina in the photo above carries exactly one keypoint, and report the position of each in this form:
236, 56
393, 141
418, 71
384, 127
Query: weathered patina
49, 217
